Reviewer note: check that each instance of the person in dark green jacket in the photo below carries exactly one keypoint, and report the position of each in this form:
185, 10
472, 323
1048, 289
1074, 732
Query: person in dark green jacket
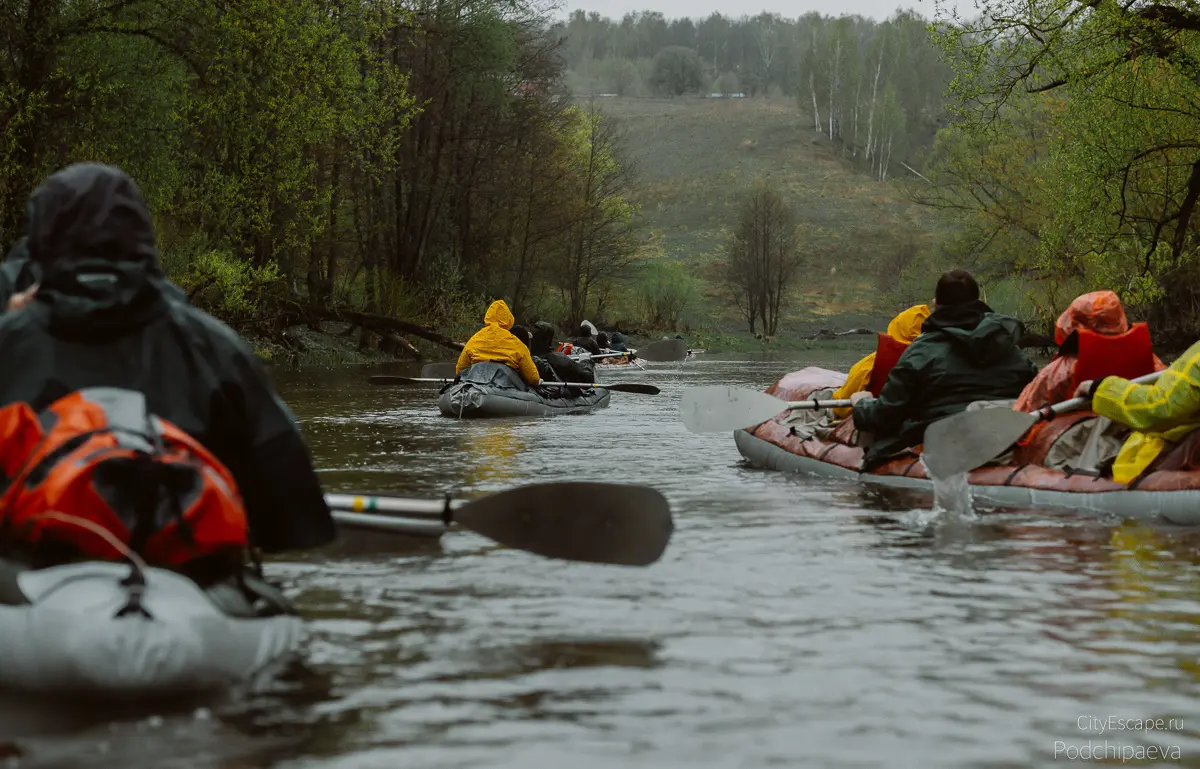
965, 353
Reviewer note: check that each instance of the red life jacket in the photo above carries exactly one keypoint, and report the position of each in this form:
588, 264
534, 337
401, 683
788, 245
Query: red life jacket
887, 352
1129, 355
96, 467
566, 348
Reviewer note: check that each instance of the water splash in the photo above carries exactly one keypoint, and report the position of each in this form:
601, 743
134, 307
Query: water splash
951, 503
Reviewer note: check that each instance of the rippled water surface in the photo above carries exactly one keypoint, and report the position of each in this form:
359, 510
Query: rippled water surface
792, 622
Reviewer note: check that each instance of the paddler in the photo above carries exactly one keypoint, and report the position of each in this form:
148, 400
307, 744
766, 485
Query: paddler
870, 373
1094, 340
965, 353
1161, 414
105, 315
495, 343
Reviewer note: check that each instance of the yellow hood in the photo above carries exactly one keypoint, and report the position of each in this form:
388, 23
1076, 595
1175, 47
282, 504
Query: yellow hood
906, 326
499, 314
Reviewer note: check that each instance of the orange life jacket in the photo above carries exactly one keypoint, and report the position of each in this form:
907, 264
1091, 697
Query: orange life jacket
1129, 355
566, 348
96, 459
887, 353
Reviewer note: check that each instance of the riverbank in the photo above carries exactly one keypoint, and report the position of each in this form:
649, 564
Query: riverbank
337, 344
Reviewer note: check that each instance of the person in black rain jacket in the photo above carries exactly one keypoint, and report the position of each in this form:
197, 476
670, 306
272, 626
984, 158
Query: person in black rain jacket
104, 315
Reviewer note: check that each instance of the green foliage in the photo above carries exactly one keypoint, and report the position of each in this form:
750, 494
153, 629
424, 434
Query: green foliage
666, 295
221, 283
676, 71
1075, 159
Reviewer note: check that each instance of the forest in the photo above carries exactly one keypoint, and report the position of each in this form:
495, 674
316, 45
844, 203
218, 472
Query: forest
402, 162
313, 159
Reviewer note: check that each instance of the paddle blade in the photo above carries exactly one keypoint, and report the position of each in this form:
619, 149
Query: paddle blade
633, 387
663, 351
441, 370
719, 409
592, 522
962, 442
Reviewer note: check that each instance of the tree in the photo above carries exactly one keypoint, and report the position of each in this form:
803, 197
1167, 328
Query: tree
762, 258
677, 71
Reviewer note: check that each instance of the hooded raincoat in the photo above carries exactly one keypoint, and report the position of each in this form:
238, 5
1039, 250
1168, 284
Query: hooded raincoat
965, 353
105, 316
1161, 413
1098, 311
905, 327
495, 342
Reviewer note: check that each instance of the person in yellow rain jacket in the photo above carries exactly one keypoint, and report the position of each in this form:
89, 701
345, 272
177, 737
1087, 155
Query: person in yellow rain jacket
496, 343
1160, 414
903, 329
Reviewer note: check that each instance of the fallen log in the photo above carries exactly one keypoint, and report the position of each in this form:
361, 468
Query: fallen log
381, 324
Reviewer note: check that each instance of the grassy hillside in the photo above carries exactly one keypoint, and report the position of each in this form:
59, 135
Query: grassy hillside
696, 157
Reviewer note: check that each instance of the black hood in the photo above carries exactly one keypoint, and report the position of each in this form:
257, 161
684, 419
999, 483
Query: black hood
91, 235
981, 335
543, 338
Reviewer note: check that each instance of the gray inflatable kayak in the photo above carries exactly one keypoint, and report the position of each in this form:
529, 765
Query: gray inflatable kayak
63, 631
495, 390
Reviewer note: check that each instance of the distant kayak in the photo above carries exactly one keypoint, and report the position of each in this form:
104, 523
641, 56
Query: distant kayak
494, 390
776, 444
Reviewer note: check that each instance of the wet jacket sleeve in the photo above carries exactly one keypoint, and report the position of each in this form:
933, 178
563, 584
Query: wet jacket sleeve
856, 381
1171, 401
886, 414
1051, 385
528, 369
284, 500
464, 358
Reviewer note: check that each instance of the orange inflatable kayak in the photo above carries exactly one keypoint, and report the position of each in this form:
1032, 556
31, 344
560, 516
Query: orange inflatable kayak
1173, 495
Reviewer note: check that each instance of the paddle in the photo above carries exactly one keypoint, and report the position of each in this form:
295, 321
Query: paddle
719, 408
964, 441
611, 523
627, 387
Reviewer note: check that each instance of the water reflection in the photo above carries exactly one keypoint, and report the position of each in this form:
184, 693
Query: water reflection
793, 621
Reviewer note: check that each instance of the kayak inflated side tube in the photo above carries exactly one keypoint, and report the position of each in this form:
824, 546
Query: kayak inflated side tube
68, 637
495, 390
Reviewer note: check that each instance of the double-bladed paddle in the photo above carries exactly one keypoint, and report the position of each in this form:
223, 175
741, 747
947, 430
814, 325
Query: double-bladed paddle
719, 408
662, 351
625, 387
611, 523
964, 441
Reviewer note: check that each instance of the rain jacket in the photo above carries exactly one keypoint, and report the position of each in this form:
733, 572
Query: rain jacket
905, 327
105, 316
1100, 312
565, 367
494, 342
965, 353
1161, 413
17, 272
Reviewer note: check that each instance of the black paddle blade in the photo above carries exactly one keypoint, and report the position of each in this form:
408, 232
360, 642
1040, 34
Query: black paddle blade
590, 522
633, 387
441, 370
663, 351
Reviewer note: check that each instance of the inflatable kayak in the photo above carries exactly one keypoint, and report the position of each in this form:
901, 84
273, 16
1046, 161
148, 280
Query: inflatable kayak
780, 444
72, 629
495, 390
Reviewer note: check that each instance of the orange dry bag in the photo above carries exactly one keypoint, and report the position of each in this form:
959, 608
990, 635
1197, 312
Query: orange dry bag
97, 473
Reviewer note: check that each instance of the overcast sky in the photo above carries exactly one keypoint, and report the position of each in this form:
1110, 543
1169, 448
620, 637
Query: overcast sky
698, 9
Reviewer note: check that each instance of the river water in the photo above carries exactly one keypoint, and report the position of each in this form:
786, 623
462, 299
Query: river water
792, 622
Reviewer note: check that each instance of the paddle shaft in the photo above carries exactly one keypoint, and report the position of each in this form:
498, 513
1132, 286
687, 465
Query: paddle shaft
412, 379
1050, 412
816, 405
